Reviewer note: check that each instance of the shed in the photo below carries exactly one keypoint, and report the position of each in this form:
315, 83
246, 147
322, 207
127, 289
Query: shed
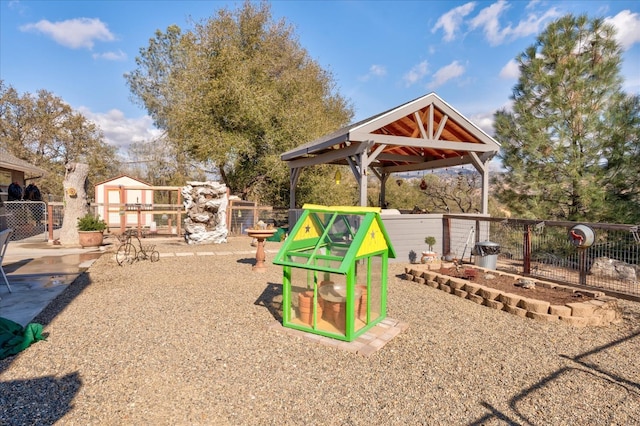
335, 271
114, 200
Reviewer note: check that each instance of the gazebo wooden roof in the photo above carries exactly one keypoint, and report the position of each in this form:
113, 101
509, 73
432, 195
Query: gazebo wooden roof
424, 134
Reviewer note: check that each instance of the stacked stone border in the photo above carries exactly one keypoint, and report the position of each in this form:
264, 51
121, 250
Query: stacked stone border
601, 310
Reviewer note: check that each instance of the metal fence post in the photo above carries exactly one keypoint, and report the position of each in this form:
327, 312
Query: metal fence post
526, 250
582, 265
50, 222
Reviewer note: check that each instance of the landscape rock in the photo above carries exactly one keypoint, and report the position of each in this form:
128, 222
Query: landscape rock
616, 269
526, 283
206, 207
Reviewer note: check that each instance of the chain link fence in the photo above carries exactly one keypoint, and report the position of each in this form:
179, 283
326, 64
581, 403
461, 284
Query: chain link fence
543, 249
26, 218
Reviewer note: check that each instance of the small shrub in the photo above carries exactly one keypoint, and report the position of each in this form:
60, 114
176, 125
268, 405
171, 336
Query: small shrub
430, 241
90, 222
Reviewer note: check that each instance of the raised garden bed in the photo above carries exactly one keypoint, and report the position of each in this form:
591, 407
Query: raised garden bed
525, 297
553, 293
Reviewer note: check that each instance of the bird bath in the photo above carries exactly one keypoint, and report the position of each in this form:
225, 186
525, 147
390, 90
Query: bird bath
261, 235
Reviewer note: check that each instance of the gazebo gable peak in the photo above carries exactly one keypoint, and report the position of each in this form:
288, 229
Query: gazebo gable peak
428, 117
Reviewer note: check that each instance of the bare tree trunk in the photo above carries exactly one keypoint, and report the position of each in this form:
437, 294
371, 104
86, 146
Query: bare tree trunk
75, 202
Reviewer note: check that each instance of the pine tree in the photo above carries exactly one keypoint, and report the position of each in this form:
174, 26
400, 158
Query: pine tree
556, 139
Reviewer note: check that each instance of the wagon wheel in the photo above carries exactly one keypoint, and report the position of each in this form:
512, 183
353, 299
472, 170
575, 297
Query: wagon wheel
155, 256
126, 254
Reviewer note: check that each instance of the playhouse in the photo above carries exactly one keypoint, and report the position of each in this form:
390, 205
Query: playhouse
119, 207
335, 271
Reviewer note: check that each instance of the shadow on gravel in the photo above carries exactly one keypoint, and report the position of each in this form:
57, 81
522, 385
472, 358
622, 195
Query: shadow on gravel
271, 298
41, 401
55, 307
568, 380
247, 261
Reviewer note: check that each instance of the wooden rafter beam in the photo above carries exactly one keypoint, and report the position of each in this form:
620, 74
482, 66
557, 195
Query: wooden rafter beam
426, 143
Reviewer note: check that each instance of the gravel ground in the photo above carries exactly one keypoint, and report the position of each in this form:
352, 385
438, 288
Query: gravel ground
184, 341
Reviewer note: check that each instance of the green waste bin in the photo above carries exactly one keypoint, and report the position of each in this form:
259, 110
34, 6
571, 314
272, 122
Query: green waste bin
278, 236
486, 254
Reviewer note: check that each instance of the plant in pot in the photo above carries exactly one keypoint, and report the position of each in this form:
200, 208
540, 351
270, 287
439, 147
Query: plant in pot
429, 255
91, 230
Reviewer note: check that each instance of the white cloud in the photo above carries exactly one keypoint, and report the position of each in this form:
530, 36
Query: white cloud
510, 71
374, 71
445, 74
111, 56
74, 33
532, 4
489, 20
484, 121
627, 25
121, 131
451, 21
532, 25
416, 73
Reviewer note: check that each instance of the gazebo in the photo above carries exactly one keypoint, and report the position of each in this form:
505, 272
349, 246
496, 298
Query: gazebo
424, 134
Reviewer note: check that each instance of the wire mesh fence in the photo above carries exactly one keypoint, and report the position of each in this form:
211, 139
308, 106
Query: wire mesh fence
26, 218
243, 215
544, 249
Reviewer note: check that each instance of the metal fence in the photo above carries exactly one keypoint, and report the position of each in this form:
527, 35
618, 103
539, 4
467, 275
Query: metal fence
242, 215
543, 249
26, 218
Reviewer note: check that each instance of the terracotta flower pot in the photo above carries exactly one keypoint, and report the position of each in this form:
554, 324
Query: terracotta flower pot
305, 299
319, 310
361, 304
90, 238
305, 303
341, 318
306, 316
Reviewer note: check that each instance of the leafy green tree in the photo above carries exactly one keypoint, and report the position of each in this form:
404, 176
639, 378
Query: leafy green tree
237, 91
48, 133
554, 141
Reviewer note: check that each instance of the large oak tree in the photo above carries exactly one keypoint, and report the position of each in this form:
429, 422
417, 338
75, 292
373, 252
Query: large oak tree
46, 132
236, 91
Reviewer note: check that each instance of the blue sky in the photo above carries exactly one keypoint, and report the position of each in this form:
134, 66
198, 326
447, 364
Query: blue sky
381, 53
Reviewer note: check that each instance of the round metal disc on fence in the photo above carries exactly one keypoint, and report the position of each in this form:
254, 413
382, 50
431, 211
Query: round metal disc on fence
581, 236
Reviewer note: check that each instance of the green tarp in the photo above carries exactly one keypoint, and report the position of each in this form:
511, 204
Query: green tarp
14, 338
278, 236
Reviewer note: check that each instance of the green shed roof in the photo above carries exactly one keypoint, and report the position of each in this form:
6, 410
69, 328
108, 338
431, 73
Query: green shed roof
331, 238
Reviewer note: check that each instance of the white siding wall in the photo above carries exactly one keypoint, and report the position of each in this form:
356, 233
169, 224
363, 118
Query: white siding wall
408, 231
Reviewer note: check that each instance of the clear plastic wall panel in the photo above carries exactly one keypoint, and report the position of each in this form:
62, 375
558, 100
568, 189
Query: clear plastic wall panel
301, 257
361, 317
302, 282
332, 292
375, 287
344, 228
338, 250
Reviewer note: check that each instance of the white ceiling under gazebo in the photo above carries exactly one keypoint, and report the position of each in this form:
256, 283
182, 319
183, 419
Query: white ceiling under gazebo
424, 134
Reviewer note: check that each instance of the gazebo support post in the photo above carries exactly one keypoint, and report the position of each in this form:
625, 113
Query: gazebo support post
481, 167
382, 196
383, 190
